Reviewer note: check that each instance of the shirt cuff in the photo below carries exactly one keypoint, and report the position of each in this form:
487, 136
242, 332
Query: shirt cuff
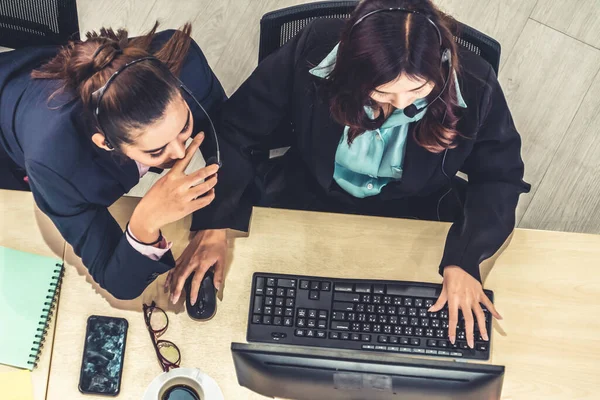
154, 253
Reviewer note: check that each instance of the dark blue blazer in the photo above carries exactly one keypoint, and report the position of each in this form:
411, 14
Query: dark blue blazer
72, 180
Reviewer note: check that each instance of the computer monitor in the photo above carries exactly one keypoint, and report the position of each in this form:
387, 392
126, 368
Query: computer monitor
301, 373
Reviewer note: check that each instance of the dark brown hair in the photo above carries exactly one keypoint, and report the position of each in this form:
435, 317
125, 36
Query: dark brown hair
140, 94
382, 47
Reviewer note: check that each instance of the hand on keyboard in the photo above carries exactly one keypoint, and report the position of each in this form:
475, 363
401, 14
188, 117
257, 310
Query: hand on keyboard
464, 293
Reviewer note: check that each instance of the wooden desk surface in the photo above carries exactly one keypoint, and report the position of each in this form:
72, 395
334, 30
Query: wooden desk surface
26, 228
546, 285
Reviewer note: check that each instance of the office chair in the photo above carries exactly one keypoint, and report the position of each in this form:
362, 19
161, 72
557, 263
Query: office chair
37, 22
276, 28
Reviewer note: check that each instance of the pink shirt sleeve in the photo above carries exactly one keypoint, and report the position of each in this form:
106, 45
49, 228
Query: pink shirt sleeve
152, 252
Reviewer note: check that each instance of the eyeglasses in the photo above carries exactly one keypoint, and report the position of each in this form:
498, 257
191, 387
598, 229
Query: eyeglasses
97, 95
157, 323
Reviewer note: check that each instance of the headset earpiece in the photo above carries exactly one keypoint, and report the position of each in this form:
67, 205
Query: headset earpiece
446, 56
108, 144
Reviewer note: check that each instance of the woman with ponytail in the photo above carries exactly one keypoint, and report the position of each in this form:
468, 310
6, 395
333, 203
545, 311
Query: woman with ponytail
385, 109
81, 124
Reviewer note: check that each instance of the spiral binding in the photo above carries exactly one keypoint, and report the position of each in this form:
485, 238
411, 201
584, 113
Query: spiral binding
47, 313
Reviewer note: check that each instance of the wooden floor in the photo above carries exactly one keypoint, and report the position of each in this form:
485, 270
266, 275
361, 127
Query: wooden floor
549, 72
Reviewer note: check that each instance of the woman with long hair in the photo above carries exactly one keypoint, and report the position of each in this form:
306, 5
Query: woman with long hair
383, 110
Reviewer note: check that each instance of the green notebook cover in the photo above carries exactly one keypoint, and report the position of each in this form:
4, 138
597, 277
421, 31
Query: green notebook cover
28, 289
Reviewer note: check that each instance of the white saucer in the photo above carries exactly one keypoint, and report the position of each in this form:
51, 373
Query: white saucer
208, 388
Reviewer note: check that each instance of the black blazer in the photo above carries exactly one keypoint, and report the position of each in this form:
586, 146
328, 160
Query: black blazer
282, 85
72, 180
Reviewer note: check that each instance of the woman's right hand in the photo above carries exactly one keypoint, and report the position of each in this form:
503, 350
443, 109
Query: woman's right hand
174, 196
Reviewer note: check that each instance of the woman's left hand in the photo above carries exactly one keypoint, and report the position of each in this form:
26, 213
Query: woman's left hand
464, 293
206, 249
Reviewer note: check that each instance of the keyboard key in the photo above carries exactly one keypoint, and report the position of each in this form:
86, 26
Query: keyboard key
334, 335
339, 306
408, 301
434, 315
258, 304
382, 339
435, 323
280, 292
419, 351
304, 284
341, 326
415, 342
366, 298
393, 348
366, 327
299, 332
461, 335
270, 291
381, 309
312, 313
455, 354
418, 302
387, 300
429, 303
278, 311
267, 320
344, 336
256, 319
444, 314
432, 343
355, 326
355, 337
312, 323
424, 322
260, 285
321, 334
397, 301
404, 340
291, 293
405, 350
351, 316
394, 320
277, 321
401, 310
391, 310
482, 346
394, 339
326, 286
315, 285
442, 343
343, 287
314, 295
270, 282
322, 314
288, 312
443, 353
431, 352
363, 288
379, 289
419, 331
279, 301
414, 321
387, 329
365, 338
381, 348
372, 318
301, 323
286, 283
287, 321
351, 297
268, 301
429, 332
338, 316
376, 299
289, 302
412, 312
370, 308
383, 319
445, 323
398, 330
422, 312
268, 310
302, 312
360, 308
368, 347
408, 330
376, 328
310, 333
322, 324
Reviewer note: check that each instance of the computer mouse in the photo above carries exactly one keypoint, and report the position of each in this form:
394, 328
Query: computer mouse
206, 303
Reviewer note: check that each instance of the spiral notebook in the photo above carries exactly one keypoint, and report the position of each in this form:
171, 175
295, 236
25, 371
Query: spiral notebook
29, 286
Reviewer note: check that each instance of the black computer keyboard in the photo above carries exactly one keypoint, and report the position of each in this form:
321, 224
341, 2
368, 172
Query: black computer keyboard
368, 315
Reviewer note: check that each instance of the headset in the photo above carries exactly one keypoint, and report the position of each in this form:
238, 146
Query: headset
99, 93
412, 110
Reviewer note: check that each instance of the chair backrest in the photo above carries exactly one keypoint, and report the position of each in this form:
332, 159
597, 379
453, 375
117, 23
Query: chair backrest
37, 22
279, 26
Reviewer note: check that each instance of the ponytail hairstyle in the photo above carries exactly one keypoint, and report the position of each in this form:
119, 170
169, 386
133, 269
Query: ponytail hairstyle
384, 46
140, 94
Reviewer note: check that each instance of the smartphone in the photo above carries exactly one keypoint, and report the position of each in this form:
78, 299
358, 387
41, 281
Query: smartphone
103, 354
